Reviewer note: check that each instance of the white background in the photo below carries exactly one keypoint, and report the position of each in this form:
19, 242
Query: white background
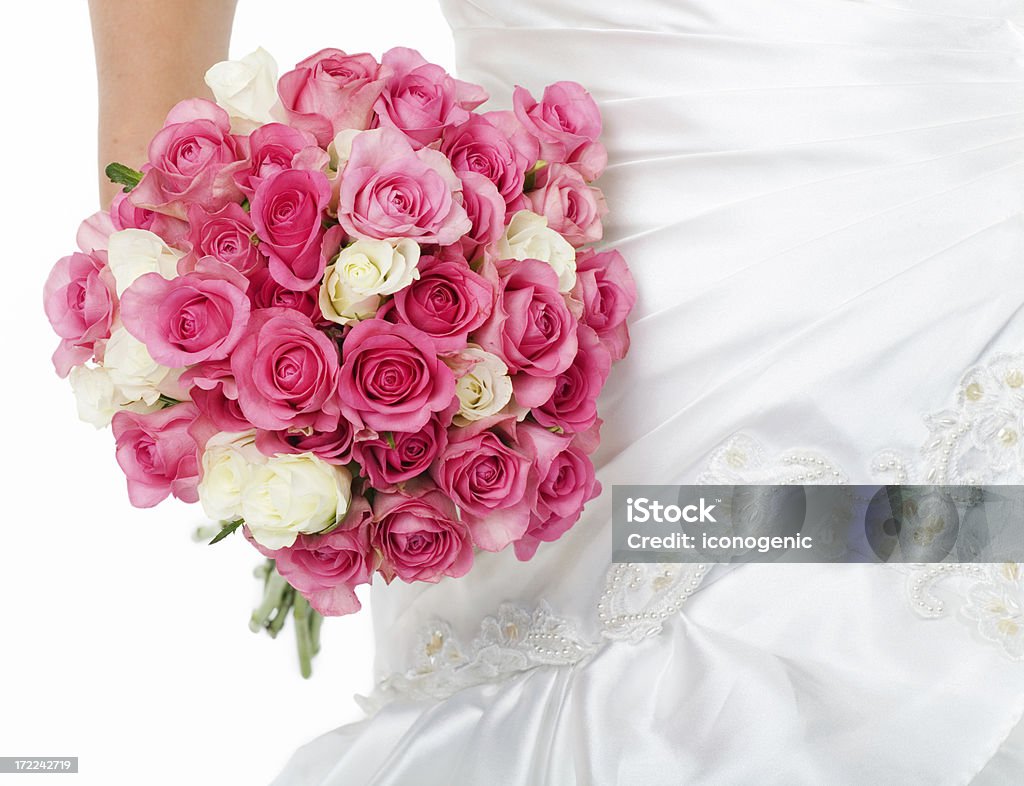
122, 641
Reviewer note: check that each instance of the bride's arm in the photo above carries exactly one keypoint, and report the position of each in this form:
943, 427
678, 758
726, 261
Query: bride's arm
150, 54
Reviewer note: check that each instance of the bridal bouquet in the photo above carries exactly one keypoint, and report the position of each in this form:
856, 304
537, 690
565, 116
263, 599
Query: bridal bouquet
355, 318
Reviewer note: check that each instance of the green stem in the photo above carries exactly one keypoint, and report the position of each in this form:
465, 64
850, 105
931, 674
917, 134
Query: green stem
303, 639
273, 595
316, 620
287, 599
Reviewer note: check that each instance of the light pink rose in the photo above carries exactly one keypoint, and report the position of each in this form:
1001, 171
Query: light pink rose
326, 568
265, 292
125, 215
334, 447
389, 190
226, 236
331, 91
421, 99
157, 454
388, 464
567, 123
272, 148
446, 302
215, 394
479, 145
605, 287
392, 378
573, 405
287, 372
488, 475
288, 212
191, 318
79, 301
190, 161
419, 536
572, 208
486, 211
530, 328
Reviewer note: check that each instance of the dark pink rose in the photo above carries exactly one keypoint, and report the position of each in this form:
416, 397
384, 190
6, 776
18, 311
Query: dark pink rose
215, 394
157, 454
399, 456
79, 301
227, 236
189, 161
572, 208
326, 568
389, 190
334, 447
392, 378
605, 287
421, 99
573, 405
331, 91
480, 146
188, 319
530, 328
419, 536
288, 211
488, 475
265, 292
287, 372
567, 484
272, 148
567, 123
446, 302
486, 211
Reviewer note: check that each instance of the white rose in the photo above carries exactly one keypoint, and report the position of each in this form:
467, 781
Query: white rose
363, 273
292, 494
98, 398
135, 252
528, 236
485, 389
246, 89
340, 148
228, 459
132, 370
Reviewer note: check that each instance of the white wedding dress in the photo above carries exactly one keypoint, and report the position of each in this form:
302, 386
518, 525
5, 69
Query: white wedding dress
822, 202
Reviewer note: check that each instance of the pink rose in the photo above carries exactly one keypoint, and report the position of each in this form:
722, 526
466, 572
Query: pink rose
567, 485
272, 148
421, 99
157, 454
125, 215
331, 91
265, 292
446, 302
226, 236
488, 475
334, 447
388, 190
572, 208
419, 536
605, 287
486, 211
288, 211
389, 463
530, 328
325, 569
215, 394
79, 301
479, 146
188, 319
573, 405
189, 161
567, 123
392, 378
287, 372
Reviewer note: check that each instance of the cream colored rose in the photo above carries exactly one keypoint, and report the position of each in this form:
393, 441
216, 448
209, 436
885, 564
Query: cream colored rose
528, 236
292, 494
340, 148
246, 89
135, 252
227, 461
363, 273
99, 399
133, 371
485, 389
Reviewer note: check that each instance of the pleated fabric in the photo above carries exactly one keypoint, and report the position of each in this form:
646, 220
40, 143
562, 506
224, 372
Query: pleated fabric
822, 202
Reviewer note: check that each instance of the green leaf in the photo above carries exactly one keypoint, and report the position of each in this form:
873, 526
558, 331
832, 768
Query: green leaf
390, 438
167, 401
123, 175
531, 176
226, 530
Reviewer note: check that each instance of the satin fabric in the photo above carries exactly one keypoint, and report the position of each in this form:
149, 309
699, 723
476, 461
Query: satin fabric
822, 202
